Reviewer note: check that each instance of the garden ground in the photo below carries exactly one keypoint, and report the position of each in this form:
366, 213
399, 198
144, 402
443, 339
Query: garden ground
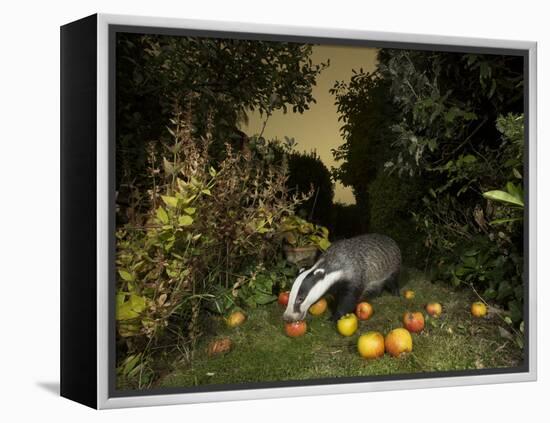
262, 352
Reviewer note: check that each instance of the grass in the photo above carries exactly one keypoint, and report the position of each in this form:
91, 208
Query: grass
262, 352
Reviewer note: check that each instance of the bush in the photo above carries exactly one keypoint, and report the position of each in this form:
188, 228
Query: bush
389, 205
346, 221
307, 172
209, 233
486, 253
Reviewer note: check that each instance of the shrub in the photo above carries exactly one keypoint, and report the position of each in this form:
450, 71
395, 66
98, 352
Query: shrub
210, 231
389, 209
307, 172
346, 221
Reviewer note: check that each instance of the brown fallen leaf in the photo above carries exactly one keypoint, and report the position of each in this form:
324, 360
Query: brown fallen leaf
219, 346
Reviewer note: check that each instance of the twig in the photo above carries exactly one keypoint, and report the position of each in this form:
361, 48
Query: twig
265, 123
314, 204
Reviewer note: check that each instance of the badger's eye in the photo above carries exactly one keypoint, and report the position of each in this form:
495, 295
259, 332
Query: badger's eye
299, 298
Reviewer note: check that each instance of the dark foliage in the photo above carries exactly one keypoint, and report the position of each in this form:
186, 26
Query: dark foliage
307, 172
224, 78
427, 135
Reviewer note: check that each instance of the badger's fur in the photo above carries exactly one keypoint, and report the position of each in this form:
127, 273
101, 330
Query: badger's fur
350, 270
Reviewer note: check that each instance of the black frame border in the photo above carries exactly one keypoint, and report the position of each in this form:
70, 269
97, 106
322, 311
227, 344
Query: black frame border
78, 211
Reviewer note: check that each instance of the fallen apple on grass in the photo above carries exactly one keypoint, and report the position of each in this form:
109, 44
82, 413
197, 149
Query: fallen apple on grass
413, 322
371, 345
296, 329
282, 299
478, 309
398, 341
434, 309
319, 307
364, 311
347, 324
235, 319
409, 294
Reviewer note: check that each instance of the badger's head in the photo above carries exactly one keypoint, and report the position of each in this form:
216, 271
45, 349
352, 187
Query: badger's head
310, 285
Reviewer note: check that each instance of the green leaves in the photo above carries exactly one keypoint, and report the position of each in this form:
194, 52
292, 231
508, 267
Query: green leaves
162, 216
504, 197
170, 201
513, 196
299, 232
125, 275
185, 220
131, 308
324, 244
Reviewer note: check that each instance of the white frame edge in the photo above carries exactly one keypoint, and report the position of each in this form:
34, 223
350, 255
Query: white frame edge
103, 399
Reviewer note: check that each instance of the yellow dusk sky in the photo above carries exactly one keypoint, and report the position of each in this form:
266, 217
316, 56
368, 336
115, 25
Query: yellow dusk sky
318, 128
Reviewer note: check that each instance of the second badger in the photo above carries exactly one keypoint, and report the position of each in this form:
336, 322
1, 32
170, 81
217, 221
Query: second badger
350, 270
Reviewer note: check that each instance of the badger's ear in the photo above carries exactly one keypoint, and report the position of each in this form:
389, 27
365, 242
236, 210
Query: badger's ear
301, 270
320, 272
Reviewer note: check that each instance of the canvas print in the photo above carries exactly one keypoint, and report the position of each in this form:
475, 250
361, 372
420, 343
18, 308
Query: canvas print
315, 211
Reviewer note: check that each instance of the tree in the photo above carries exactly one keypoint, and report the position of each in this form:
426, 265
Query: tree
219, 79
457, 129
368, 113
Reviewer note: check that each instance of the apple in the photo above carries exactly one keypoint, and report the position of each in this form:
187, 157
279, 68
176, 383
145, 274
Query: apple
398, 341
283, 298
413, 322
479, 309
347, 324
364, 311
319, 307
409, 294
371, 345
235, 319
296, 329
434, 309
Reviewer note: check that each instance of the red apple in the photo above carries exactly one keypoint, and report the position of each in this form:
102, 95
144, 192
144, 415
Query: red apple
434, 309
319, 307
398, 341
364, 311
283, 298
296, 329
413, 322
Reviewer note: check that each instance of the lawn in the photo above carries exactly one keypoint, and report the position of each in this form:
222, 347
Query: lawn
262, 352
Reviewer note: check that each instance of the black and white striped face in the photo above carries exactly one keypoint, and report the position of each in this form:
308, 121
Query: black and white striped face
308, 288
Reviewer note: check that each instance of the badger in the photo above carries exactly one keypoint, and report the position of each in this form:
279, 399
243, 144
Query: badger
350, 270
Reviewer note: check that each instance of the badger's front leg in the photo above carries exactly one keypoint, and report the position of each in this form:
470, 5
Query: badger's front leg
346, 301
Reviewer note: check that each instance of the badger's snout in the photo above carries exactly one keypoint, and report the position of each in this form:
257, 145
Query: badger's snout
291, 316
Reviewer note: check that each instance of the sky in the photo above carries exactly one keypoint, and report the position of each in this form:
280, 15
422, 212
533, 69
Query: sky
318, 128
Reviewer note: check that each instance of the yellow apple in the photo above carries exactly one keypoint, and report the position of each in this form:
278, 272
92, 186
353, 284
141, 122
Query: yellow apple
347, 324
371, 345
478, 309
398, 341
434, 309
409, 294
235, 319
